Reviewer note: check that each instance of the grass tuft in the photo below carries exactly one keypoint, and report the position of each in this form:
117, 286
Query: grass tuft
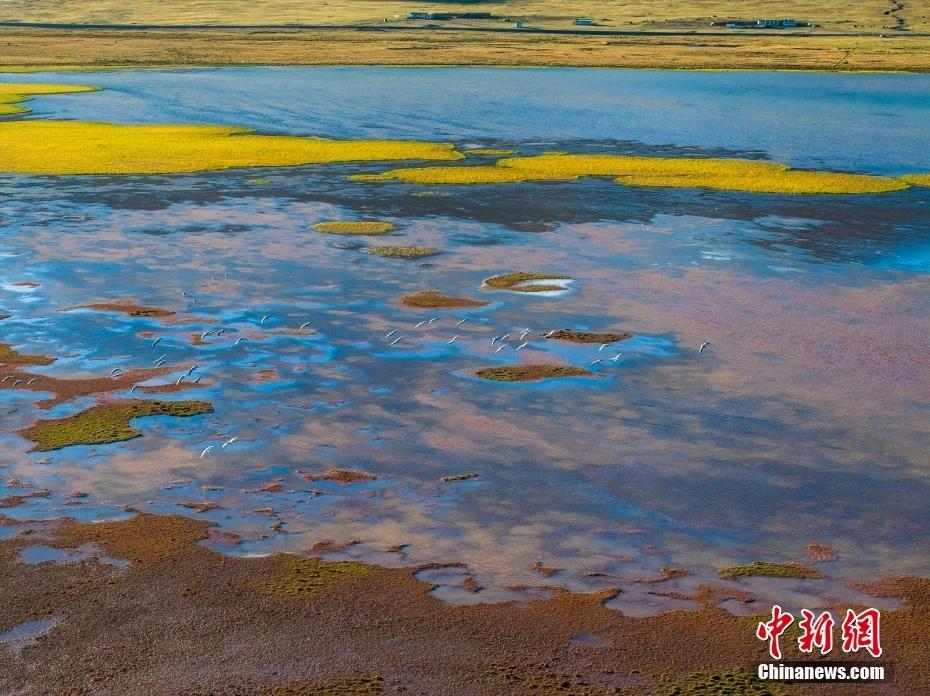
771, 570
588, 336
521, 282
433, 299
530, 373
10, 356
105, 423
403, 252
354, 227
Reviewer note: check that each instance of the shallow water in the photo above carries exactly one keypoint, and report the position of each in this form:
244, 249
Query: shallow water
804, 420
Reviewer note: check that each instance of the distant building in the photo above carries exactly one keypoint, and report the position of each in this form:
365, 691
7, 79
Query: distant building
759, 23
584, 21
776, 23
443, 16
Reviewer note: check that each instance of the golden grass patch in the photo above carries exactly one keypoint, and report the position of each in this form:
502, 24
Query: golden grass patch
12, 95
354, 227
75, 147
917, 179
725, 174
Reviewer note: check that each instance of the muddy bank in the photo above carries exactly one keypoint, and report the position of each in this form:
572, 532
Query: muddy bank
372, 630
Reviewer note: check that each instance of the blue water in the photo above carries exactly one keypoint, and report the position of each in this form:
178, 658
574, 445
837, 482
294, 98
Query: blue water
859, 122
815, 386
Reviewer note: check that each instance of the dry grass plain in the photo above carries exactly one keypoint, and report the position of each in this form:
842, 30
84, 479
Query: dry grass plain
25, 49
835, 15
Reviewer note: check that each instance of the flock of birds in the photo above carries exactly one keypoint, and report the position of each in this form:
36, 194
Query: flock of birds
515, 339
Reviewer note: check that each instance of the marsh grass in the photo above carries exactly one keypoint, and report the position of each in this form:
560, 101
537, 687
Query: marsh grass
433, 299
354, 227
130, 308
530, 373
771, 570
10, 356
668, 172
523, 282
106, 423
309, 578
588, 336
12, 96
75, 147
403, 252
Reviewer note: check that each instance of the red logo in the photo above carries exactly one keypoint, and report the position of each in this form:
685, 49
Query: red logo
772, 630
860, 631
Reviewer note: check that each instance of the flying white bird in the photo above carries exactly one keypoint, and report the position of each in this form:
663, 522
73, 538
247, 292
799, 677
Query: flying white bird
303, 326
451, 341
390, 333
206, 449
157, 341
240, 340
703, 346
396, 340
228, 442
267, 316
461, 321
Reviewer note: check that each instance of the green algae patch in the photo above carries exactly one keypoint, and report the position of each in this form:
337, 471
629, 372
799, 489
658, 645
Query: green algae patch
309, 578
525, 282
588, 336
354, 227
12, 95
489, 152
771, 570
403, 252
917, 179
76, 147
433, 299
106, 423
670, 172
530, 373
737, 683
10, 356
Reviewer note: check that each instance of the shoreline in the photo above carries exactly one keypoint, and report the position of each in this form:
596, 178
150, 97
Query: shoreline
33, 49
132, 602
